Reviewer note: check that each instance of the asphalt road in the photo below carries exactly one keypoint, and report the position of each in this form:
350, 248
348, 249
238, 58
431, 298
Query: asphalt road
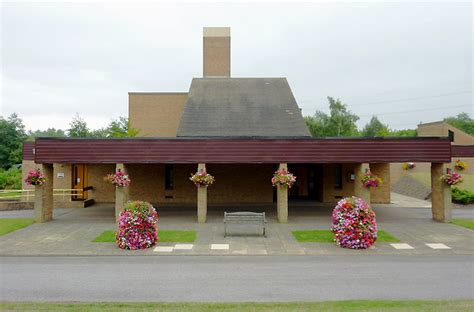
228, 278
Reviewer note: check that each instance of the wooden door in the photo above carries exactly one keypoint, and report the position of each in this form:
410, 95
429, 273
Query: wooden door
79, 181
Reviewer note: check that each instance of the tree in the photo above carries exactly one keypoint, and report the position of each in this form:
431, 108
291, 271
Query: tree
120, 128
78, 127
375, 128
463, 122
340, 122
48, 133
404, 133
12, 135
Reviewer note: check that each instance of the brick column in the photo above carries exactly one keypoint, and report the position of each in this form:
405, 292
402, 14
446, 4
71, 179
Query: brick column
122, 194
359, 189
282, 199
44, 195
202, 198
440, 194
381, 194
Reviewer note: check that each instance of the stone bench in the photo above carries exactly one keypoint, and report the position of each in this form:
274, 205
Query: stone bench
244, 218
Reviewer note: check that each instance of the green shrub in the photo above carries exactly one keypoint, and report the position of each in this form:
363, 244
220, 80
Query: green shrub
462, 196
10, 179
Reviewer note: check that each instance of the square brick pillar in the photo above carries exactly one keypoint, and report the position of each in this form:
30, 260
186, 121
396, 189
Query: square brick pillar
282, 199
202, 198
122, 194
440, 194
381, 194
359, 189
44, 195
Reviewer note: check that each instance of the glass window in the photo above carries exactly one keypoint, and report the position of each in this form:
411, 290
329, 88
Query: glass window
169, 177
338, 176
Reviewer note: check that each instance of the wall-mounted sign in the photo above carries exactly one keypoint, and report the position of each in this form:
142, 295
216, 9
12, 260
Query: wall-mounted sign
60, 175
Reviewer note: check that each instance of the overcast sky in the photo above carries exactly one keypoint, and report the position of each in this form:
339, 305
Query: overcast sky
404, 62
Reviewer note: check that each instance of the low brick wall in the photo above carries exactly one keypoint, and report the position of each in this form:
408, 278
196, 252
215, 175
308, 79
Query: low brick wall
20, 205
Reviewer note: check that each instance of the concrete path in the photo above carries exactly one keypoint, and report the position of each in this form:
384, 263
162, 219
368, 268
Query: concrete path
274, 278
72, 230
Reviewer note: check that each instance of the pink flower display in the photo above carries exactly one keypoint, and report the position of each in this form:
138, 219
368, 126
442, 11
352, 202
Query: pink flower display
452, 177
353, 224
371, 180
283, 177
35, 177
137, 226
202, 178
119, 179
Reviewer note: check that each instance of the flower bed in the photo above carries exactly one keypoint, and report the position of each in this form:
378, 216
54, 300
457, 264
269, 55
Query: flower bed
371, 180
452, 177
202, 178
118, 179
353, 224
283, 177
35, 177
137, 226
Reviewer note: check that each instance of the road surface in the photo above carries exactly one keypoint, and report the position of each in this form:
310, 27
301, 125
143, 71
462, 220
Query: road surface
240, 278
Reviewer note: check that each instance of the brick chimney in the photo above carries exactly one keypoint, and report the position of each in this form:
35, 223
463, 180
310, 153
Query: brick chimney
216, 52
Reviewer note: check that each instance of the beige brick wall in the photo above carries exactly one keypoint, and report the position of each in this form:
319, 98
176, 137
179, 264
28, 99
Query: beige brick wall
216, 52
442, 129
381, 194
156, 114
103, 192
148, 184
331, 194
27, 165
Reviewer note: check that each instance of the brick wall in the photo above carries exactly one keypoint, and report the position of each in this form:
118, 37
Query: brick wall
381, 194
330, 193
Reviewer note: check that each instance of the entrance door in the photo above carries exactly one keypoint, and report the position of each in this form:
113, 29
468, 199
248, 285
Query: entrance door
79, 181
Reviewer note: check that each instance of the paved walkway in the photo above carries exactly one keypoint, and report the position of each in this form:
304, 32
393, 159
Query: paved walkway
72, 230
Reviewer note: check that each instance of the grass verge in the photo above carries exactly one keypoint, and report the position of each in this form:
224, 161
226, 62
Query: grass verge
326, 236
163, 237
13, 224
336, 306
467, 223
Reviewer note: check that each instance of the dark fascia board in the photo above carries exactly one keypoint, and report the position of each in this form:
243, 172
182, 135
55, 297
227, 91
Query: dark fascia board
253, 138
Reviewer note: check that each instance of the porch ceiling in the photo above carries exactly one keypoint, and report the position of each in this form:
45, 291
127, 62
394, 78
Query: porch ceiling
242, 150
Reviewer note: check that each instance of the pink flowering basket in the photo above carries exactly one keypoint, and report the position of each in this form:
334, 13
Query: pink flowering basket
137, 226
353, 224
283, 177
452, 177
202, 178
118, 179
35, 177
371, 180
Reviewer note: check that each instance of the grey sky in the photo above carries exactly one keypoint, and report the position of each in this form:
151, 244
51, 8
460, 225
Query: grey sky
62, 58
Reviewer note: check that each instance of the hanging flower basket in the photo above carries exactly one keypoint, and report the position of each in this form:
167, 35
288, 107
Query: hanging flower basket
283, 177
408, 166
452, 177
118, 179
202, 178
353, 224
137, 226
460, 165
35, 177
370, 179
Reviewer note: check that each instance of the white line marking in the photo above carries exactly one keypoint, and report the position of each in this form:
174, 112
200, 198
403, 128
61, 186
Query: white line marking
183, 246
163, 249
402, 246
219, 246
438, 246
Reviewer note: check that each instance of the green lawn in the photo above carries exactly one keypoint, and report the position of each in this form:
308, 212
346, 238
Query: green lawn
11, 195
326, 236
163, 237
10, 225
327, 306
467, 223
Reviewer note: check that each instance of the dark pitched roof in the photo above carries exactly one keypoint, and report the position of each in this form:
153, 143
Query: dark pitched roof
244, 107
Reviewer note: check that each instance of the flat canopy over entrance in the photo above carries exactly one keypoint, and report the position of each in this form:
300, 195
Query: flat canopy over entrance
240, 150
